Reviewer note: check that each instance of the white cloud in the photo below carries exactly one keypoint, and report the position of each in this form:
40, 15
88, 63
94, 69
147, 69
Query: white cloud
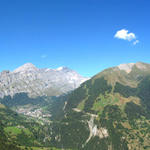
125, 35
135, 42
43, 56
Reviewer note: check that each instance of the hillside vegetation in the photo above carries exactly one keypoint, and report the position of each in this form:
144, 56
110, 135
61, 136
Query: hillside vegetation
112, 110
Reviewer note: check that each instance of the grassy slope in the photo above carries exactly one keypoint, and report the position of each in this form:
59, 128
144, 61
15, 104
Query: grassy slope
122, 103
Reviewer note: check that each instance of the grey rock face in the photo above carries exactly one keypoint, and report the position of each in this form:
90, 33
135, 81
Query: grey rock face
39, 82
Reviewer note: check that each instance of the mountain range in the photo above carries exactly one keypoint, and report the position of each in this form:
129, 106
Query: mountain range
39, 82
110, 111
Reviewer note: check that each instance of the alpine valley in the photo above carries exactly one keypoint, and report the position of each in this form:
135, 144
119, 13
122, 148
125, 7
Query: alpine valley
58, 109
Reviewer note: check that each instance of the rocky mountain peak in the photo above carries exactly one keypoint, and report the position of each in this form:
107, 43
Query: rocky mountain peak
39, 82
141, 65
126, 67
5, 72
26, 68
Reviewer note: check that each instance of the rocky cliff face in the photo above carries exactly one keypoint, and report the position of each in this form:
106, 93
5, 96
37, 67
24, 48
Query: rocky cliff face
39, 82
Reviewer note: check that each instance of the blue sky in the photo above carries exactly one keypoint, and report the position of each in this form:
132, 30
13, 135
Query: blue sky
79, 34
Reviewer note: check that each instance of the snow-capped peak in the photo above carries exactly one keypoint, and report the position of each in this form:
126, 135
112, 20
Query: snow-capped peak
62, 68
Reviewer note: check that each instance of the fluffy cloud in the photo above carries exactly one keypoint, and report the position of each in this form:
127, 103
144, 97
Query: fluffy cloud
125, 35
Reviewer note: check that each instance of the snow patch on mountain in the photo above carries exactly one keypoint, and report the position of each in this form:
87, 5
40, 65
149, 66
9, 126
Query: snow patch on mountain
60, 68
